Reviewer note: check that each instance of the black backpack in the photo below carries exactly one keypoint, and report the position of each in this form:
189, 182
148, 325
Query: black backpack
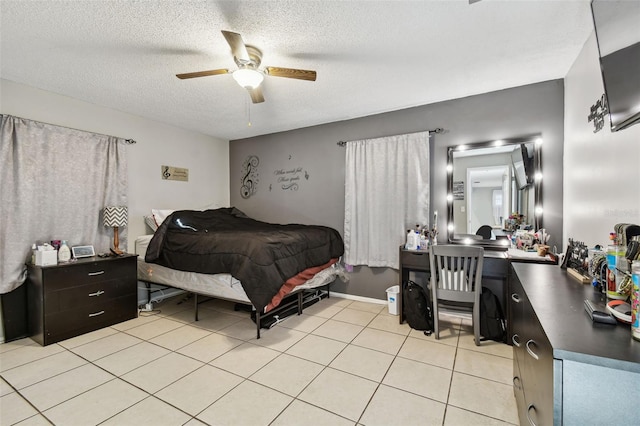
417, 307
492, 323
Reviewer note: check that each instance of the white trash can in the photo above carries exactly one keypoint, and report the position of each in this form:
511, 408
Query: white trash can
392, 299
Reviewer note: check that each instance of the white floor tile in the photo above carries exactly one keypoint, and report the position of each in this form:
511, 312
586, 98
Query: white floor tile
338, 330
5, 388
176, 339
390, 406
149, 411
96, 405
37, 420
209, 347
245, 329
383, 341
162, 372
100, 348
199, 389
14, 408
154, 328
490, 367
246, 359
341, 393
16, 344
428, 352
25, 354
483, 396
278, 338
389, 323
247, 404
363, 362
367, 307
354, 316
457, 416
317, 349
42, 369
87, 337
62, 387
419, 378
487, 346
304, 323
298, 410
287, 374
131, 358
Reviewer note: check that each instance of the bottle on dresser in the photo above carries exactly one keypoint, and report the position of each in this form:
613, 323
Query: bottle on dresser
64, 253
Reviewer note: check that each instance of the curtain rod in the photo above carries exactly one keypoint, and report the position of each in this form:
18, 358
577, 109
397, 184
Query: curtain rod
431, 132
127, 141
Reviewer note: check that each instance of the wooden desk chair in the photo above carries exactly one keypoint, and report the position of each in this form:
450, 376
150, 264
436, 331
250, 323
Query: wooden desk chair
456, 282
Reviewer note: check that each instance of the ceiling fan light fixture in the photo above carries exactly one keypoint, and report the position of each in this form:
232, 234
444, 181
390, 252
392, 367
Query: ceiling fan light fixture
248, 78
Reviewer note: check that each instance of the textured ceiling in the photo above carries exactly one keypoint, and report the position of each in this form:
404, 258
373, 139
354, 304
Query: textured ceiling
370, 56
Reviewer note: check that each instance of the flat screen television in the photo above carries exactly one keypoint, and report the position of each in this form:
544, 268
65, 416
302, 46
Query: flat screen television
616, 25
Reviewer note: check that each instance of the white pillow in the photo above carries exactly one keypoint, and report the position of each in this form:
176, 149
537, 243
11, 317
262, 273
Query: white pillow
160, 215
151, 223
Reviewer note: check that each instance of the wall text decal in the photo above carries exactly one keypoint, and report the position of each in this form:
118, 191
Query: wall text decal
597, 113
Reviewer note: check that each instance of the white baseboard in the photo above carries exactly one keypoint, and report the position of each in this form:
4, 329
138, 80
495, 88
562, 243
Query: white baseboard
358, 298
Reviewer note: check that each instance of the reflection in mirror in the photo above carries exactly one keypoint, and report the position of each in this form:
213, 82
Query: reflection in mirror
494, 188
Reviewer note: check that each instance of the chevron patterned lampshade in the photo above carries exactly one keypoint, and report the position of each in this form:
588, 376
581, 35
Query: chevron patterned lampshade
115, 216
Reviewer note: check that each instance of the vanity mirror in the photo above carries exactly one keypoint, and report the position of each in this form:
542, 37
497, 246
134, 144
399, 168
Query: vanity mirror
494, 188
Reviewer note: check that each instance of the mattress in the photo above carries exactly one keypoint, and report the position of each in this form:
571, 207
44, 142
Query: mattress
223, 286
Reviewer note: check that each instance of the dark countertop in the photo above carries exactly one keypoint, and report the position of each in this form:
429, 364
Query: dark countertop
558, 301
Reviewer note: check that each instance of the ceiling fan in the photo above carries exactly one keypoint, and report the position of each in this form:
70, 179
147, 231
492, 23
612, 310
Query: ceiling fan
248, 74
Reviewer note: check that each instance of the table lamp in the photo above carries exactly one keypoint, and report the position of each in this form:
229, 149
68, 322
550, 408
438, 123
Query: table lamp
115, 217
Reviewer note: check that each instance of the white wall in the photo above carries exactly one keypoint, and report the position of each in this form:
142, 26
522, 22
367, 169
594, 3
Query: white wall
601, 170
206, 157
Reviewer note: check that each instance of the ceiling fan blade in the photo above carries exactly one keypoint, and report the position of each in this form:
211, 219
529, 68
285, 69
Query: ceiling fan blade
256, 95
202, 73
238, 48
292, 73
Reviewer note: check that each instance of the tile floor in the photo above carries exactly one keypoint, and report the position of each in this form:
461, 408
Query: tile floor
342, 362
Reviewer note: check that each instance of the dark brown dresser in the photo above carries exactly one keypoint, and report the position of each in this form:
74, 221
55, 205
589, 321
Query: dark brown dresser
70, 299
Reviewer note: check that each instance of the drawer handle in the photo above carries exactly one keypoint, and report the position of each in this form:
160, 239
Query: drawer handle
96, 314
515, 342
93, 274
517, 385
528, 417
532, 353
516, 298
97, 293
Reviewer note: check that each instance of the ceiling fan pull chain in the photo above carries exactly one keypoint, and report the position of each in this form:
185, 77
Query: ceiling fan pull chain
249, 113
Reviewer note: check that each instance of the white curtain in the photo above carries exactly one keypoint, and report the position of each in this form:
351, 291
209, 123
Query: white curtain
386, 193
54, 184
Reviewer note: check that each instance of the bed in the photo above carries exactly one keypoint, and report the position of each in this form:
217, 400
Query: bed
222, 253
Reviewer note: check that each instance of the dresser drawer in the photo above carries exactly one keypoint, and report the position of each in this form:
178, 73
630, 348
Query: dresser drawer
415, 259
87, 273
88, 295
64, 324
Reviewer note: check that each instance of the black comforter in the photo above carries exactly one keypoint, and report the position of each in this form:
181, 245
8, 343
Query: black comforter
261, 255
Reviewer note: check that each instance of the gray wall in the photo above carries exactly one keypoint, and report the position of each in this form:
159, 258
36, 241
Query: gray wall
319, 199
